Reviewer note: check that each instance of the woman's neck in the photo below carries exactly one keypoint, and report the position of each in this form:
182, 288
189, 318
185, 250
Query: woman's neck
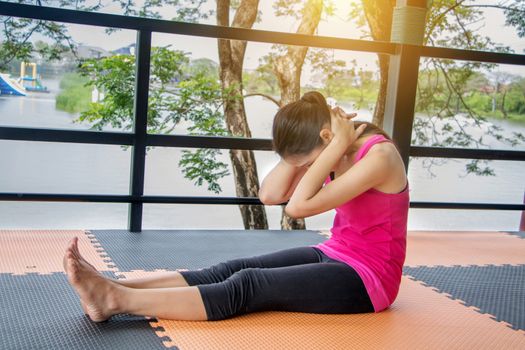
351, 152
349, 156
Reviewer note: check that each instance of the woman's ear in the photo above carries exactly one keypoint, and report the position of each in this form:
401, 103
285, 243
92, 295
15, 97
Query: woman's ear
326, 135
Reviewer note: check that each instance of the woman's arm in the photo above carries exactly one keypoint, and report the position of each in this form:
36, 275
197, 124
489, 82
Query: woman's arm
311, 198
279, 184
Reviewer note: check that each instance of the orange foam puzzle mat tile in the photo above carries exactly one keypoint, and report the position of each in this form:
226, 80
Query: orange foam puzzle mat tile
449, 248
42, 251
420, 318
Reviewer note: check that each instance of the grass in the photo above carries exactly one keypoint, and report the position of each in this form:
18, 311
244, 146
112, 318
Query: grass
514, 117
74, 97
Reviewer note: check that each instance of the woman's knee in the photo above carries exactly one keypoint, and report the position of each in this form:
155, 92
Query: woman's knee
221, 271
232, 296
245, 279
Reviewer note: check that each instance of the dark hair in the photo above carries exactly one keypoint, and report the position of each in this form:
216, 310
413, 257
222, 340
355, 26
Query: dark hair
296, 126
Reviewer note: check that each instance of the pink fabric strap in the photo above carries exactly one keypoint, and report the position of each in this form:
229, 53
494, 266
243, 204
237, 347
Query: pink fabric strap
368, 144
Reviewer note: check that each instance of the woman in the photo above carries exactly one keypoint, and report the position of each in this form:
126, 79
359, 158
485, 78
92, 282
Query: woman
357, 270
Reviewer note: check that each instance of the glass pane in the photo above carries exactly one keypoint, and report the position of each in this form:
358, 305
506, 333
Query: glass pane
474, 25
447, 181
50, 92
164, 176
463, 220
195, 216
184, 216
47, 167
42, 216
466, 105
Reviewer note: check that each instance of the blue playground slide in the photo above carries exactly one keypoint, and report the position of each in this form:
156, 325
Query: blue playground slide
10, 87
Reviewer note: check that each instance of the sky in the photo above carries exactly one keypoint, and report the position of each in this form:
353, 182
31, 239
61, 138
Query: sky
493, 26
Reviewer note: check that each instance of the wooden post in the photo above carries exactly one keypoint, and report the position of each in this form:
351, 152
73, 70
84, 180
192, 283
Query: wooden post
407, 31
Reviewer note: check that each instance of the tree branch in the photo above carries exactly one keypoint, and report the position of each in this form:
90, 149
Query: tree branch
443, 14
465, 31
265, 96
501, 7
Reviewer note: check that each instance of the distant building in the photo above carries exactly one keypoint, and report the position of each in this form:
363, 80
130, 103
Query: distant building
127, 50
487, 89
86, 51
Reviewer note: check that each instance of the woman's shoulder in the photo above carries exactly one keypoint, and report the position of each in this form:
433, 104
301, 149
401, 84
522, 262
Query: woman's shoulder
393, 176
384, 151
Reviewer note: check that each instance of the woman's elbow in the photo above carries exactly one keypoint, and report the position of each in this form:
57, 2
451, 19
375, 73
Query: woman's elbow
268, 199
293, 211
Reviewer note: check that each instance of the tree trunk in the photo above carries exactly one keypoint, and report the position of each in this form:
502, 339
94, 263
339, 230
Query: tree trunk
379, 110
378, 14
231, 57
288, 68
505, 115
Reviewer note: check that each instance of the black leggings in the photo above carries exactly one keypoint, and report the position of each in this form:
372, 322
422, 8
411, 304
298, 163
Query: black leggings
300, 279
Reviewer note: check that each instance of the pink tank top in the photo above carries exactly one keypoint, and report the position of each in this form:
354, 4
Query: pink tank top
369, 234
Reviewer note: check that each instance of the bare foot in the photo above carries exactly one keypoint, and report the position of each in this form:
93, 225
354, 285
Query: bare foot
73, 247
99, 295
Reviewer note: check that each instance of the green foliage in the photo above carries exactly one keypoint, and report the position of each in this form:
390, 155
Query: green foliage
115, 76
204, 66
201, 166
74, 96
515, 15
263, 79
479, 167
341, 82
447, 90
477, 93
291, 8
330, 69
18, 32
10, 50
174, 97
479, 102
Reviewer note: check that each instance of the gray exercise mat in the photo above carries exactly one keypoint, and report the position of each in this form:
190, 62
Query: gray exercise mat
194, 249
44, 312
495, 290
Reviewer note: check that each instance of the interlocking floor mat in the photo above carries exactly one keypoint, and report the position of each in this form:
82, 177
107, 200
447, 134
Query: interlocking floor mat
191, 249
460, 290
496, 290
44, 312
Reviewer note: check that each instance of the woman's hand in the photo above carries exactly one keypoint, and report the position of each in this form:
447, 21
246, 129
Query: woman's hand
342, 126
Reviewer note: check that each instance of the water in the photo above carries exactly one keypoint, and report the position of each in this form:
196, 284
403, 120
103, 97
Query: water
44, 167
